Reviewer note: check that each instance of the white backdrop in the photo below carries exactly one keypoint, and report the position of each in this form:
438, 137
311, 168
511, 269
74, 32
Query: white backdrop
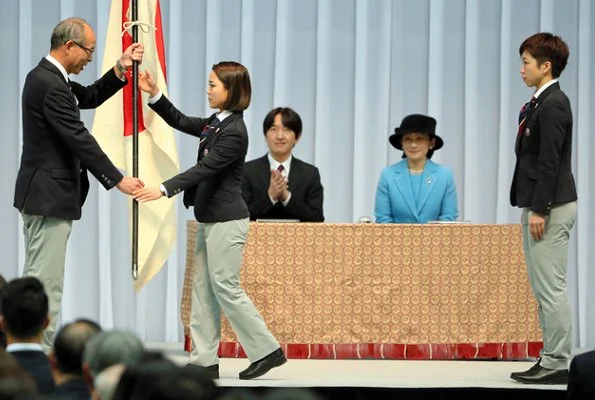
352, 69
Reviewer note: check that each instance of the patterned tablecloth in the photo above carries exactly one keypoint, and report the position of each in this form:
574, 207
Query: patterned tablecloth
386, 291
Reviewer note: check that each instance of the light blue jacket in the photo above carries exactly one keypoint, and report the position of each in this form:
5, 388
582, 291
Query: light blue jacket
395, 201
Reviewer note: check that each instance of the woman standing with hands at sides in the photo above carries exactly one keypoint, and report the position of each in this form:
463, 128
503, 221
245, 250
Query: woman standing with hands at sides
214, 187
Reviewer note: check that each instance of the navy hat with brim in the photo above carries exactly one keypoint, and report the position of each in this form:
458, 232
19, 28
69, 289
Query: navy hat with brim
416, 123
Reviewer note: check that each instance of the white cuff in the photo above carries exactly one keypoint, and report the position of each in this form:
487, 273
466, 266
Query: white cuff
163, 190
155, 99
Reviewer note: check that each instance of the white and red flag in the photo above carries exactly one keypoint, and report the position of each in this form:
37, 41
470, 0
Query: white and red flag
158, 156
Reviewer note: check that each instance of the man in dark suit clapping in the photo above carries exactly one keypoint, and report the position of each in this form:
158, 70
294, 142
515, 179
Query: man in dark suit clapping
58, 150
278, 185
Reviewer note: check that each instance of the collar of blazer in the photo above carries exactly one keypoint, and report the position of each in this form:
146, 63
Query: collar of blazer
403, 183
44, 63
542, 97
234, 116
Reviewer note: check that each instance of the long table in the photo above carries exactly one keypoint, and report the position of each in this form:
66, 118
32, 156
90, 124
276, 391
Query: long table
395, 291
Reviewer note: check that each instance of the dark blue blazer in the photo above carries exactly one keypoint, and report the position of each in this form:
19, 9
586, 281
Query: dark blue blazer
581, 378
37, 364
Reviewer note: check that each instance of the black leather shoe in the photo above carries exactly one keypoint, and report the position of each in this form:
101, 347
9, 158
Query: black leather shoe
542, 376
264, 365
529, 371
211, 370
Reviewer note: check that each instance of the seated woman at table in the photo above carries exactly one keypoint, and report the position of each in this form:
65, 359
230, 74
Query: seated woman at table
416, 189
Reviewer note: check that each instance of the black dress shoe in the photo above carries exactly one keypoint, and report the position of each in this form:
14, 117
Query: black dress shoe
534, 368
542, 376
211, 370
264, 365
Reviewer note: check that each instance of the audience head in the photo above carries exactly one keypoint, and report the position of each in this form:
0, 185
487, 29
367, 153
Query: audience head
291, 394
238, 394
2, 336
163, 380
15, 383
282, 129
542, 55
229, 86
107, 380
24, 310
67, 353
109, 348
416, 137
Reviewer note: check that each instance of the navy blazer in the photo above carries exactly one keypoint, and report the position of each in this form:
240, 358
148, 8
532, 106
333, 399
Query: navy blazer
37, 364
213, 186
581, 382
57, 148
542, 174
75, 389
437, 195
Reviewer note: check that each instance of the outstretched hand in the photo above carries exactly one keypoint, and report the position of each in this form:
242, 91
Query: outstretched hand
129, 184
147, 84
147, 194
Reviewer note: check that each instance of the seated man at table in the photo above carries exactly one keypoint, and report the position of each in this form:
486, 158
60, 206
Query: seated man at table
278, 185
416, 190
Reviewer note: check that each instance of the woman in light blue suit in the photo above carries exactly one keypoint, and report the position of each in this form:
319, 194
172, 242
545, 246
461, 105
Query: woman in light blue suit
416, 189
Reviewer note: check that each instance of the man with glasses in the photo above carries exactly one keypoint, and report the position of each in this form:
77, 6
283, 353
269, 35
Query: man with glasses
58, 150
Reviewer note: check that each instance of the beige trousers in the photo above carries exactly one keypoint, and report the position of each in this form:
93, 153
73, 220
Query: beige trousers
219, 252
547, 261
45, 258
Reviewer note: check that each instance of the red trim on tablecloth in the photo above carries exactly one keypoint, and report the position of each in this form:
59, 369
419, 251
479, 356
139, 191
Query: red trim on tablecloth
394, 351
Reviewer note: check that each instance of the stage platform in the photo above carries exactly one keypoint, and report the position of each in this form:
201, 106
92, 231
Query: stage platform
388, 379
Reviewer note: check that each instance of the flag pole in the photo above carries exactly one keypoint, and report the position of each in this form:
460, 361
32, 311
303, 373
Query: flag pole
134, 18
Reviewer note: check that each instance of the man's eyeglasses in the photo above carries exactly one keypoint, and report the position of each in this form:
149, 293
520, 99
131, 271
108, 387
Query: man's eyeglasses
88, 50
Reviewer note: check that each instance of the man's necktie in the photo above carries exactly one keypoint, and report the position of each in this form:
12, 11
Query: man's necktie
280, 168
523, 114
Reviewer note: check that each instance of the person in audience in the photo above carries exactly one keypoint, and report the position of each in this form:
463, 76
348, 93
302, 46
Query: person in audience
416, 189
15, 382
543, 187
581, 378
279, 185
163, 380
291, 394
106, 381
2, 336
110, 348
66, 359
213, 186
24, 318
238, 394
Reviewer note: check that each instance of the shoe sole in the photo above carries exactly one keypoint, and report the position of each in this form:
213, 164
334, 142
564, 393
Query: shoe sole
556, 381
278, 363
